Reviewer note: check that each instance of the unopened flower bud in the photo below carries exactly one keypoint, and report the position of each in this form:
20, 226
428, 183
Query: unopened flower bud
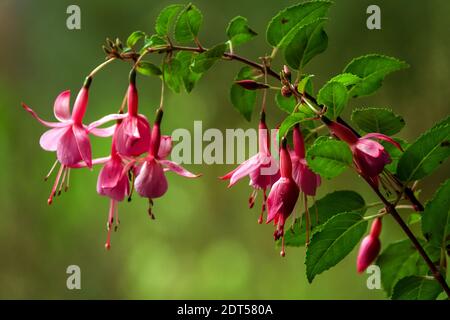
287, 72
286, 92
251, 84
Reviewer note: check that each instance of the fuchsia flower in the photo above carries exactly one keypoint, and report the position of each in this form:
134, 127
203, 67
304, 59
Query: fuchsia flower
282, 196
69, 137
370, 247
113, 183
307, 181
369, 156
261, 168
133, 133
151, 181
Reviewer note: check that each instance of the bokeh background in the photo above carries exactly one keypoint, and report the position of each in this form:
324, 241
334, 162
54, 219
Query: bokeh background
205, 242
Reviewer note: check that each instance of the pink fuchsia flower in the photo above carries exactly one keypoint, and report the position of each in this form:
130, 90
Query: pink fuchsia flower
370, 247
113, 183
307, 181
369, 156
283, 195
151, 181
261, 168
69, 137
133, 133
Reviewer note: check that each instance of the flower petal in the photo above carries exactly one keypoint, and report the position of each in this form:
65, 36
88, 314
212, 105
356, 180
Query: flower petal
67, 149
103, 132
83, 143
110, 117
165, 146
151, 181
244, 169
49, 140
61, 107
172, 166
383, 137
45, 123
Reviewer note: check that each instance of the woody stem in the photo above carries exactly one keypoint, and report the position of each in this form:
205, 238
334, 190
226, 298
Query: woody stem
390, 208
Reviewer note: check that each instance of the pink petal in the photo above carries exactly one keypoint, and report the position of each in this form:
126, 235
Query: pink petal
132, 136
49, 140
383, 137
67, 149
103, 132
372, 148
45, 123
244, 169
172, 166
165, 146
151, 181
61, 107
105, 119
95, 161
83, 143
274, 200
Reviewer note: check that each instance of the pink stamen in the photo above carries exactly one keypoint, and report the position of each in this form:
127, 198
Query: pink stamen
55, 185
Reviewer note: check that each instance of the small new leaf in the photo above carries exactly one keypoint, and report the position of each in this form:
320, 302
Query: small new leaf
148, 69
134, 37
239, 32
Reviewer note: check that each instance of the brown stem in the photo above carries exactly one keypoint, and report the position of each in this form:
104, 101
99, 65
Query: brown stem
390, 208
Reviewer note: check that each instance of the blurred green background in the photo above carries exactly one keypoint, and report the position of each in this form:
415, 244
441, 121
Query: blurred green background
205, 243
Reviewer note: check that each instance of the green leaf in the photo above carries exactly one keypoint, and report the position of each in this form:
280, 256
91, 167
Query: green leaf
206, 60
329, 158
306, 84
334, 96
239, 32
134, 37
372, 69
173, 75
436, 217
166, 18
395, 153
423, 156
416, 288
347, 79
243, 100
285, 104
189, 77
285, 24
308, 41
323, 209
148, 69
154, 41
333, 242
289, 122
188, 24
382, 120
401, 259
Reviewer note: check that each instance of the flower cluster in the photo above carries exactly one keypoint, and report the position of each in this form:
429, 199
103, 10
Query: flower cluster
138, 158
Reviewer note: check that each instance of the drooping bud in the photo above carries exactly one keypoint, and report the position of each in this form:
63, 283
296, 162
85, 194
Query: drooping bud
287, 73
369, 248
155, 139
252, 84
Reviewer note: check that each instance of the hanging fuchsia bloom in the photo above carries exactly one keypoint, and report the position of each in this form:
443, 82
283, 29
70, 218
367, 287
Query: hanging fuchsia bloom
69, 137
369, 156
261, 168
133, 133
307, 181
370, 247
282, 196
113, 183
151, 181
